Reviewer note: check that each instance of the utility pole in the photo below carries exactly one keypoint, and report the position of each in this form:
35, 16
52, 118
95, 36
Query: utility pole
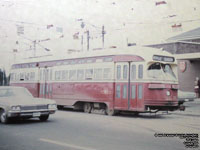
34, 48
82, 42
103, 32
88, 40
82, 26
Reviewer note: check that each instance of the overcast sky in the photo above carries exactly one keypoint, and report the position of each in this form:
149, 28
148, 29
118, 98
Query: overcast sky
134, 21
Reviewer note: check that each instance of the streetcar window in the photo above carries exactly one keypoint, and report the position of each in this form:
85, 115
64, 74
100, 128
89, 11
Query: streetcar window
118, 90
124, 91
57, 75
72, 74
155, 71
98, 73
133, 92
44, 75
47, 89
118, 72
89, 74
140, 72
50, 74
43, 89
133, 72
40, 89
168, 70
125, 72
17, 77
107, 73
67, 74
21, 76
108, 59
80, 74
161, 71
140, 91
27, 76
50, 88
40, 74
12, 76
32, 76
64, 75
47, 75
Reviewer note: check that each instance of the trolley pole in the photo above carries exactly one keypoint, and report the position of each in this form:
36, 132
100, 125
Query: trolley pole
82, 42
34, 48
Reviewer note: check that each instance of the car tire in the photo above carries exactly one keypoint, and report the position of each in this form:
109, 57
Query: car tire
44, 118
3, 117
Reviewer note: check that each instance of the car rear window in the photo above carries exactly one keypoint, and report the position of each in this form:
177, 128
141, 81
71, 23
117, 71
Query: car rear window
6, 93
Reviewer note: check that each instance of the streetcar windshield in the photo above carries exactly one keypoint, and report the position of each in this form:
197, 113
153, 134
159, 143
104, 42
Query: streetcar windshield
161, 71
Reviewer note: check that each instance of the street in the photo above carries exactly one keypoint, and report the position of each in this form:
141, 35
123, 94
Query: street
72, 130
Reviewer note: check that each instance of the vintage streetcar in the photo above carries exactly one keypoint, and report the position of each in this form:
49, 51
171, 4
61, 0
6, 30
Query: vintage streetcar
136, 79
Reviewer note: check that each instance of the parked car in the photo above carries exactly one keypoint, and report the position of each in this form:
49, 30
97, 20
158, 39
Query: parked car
17, 102
184, 96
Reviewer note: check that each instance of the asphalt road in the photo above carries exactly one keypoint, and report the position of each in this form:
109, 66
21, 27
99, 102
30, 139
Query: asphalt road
71, 130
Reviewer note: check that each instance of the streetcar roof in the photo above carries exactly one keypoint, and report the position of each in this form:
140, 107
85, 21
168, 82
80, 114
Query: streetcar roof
145, 52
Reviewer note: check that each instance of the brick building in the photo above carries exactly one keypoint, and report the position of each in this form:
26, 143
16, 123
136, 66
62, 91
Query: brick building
186, 48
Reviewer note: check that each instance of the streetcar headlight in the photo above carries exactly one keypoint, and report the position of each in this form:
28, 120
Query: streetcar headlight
168, 93
52, 106
15, 108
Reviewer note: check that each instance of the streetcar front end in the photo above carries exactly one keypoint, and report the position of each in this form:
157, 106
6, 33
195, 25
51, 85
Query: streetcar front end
161, 90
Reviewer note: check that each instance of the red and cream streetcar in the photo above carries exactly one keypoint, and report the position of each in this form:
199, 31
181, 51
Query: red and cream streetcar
137, 79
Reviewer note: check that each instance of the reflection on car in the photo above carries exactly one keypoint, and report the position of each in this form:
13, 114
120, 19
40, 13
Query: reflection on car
17, 102
184, 96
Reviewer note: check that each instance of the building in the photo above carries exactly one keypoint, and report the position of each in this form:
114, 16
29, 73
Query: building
186, 48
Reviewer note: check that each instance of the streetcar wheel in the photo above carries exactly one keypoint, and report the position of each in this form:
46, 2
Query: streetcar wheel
110, 112
3, 117
44, 118
87, 108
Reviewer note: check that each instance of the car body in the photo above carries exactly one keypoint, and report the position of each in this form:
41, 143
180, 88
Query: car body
184, 96
17, 102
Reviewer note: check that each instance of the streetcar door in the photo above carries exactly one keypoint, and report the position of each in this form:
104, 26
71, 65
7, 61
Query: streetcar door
136, 87
122, 85
45, 84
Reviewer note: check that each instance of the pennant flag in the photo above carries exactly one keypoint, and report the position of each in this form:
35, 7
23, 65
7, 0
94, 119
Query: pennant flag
160, 3
177, 27
49, 26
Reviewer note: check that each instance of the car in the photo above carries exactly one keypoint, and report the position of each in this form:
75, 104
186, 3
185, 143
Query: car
184, 96
17, 102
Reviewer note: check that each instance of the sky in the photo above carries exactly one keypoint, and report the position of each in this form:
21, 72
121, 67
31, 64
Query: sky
56, 25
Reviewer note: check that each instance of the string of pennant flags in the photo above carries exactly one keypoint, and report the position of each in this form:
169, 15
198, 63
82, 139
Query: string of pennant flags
176, 26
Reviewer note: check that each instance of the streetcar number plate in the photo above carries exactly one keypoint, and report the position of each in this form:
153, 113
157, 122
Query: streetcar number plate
36, 114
